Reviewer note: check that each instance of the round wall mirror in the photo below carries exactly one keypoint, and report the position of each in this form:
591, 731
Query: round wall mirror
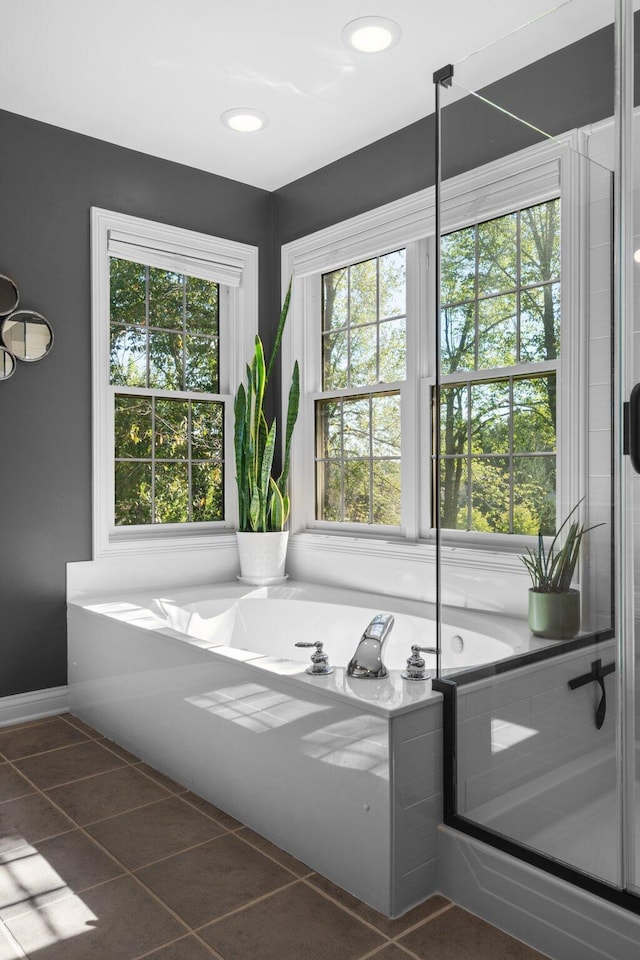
7, 364
27, 335
9, 295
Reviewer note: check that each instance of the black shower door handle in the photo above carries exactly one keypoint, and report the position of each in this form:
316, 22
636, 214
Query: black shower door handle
632, 428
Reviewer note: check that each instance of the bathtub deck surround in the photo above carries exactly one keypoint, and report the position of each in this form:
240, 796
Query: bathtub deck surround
348, 771
88, 869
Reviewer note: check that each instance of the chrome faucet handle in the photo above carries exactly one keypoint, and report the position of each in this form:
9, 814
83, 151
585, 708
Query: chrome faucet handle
319, 659
415, 669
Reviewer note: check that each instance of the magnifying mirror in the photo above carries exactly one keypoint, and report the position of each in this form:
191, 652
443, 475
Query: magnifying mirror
7, 364
9, 295
27, 335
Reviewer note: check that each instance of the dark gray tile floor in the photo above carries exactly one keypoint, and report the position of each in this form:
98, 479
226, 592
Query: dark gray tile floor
103, 857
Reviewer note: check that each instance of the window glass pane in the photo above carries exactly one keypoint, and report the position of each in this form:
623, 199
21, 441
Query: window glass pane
172, 429
534, 495
393, 339
540, 323
454, 417
202, 306
166, 299
336, 299
357, 495
534, 414
393, 285
128, 357
335, 360
490, 417
540, 243
363, 352
207, 430
202, 364
458, 266
356, 423
171, 493
497, 255
490, 494
497, 331
363, 293
132, 427
454, 493
329, 483
386, 492
329, 420
166, 360
207, 500
127, 292
458, 338
133, 492
385, 428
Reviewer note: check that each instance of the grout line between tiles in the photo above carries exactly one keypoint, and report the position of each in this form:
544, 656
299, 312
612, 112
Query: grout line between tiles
150, 953
346, 909
422, 923
210, 815
153, 779
245, 906
42, 753
273, 859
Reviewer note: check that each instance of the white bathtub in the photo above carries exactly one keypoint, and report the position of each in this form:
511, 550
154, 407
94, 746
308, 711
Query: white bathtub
268, 621
207, 684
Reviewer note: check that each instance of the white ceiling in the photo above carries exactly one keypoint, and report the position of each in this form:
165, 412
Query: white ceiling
155, 75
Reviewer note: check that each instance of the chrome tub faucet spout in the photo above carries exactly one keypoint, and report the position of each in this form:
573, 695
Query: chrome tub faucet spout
366, 663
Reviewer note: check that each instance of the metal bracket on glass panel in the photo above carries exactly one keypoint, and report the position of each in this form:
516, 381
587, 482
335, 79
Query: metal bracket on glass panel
444, 76
597, 675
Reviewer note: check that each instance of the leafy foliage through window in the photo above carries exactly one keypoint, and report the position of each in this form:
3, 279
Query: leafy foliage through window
500, 342
164, 366
358, 418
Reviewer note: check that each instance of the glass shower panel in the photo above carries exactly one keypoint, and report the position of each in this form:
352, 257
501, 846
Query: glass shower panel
524, 436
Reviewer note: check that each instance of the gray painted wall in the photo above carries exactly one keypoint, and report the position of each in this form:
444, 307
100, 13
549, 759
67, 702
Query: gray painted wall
49, 180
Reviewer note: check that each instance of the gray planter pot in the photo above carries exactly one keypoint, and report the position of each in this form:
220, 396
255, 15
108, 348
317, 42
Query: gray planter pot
555, 616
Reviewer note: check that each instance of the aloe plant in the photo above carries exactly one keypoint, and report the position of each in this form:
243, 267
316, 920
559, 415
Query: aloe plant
263, 502
552, 570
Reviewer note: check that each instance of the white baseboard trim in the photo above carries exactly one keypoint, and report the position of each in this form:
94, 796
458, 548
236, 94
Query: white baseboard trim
33, 705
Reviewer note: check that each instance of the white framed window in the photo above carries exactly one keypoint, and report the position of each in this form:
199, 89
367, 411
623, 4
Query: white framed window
174, 315
509, 199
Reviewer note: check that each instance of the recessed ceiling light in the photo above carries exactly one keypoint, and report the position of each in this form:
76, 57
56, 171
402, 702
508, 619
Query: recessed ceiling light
244, 119
371, 34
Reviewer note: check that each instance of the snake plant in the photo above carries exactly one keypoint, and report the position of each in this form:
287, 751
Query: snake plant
263, 502
552, 570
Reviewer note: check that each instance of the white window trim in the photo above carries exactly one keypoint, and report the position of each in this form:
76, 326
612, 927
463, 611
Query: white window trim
530, 176
234, 265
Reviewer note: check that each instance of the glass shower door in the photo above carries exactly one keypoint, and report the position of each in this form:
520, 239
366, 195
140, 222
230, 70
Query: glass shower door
527, 442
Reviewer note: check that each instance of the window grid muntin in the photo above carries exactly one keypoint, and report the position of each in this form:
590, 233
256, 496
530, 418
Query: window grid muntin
354, 391
516, 289
185, 330
344, 458
188, 460
468, 456
526, 369
349, 327
186, 394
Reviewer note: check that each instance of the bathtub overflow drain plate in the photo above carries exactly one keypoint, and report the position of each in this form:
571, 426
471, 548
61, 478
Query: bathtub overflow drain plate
456, 643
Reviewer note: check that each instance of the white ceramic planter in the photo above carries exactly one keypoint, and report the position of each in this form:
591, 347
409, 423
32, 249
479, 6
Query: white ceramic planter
262, 555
